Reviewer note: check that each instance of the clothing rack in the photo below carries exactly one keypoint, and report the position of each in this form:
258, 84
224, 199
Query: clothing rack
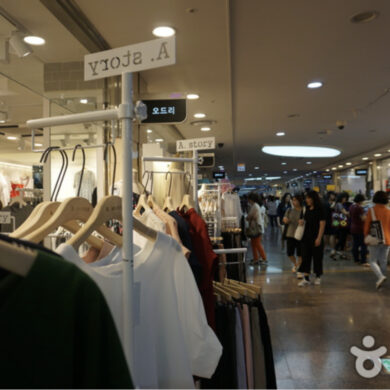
125, 113
193, 160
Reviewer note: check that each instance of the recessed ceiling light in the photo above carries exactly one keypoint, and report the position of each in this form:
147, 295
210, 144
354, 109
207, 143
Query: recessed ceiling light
295, 169
348, 163
206, 128
285, 172
378, 167
257, 167
334, 168
341, 166
377, 154
12, 138
2, 120
388, 151
83, 101
308, 162
328, 170
364, 17
284, 163
249, 174
301, 151
280, 134
34, 40
163, 31
200, 115
192, 96
159, 140
38, 144
273, 178
365, 158
149, 131
314, 85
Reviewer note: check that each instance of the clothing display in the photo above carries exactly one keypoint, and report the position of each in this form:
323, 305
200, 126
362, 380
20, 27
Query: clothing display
5, 190
58, 301
88, 184
19, 213
234, 271
172, 338
231, 207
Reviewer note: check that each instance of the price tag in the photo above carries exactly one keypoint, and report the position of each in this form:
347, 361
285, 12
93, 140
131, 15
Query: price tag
5, 217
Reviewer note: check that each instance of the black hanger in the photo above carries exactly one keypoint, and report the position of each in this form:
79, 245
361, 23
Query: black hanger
65, 156
105, 159
43, 159
78, 146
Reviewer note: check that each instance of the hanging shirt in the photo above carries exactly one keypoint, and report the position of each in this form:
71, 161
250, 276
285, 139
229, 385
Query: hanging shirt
172, 338
88, 184
231, 206
5, 190
57, 331
150, 219
207, 258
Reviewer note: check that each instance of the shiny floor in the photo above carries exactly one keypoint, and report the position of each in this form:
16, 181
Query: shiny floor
313, 328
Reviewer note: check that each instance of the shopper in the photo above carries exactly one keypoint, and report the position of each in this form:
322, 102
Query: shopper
283, 206
341, 215
330, 231
357, 215
312, 241
272, 207
291, 220
379, 253
256, 218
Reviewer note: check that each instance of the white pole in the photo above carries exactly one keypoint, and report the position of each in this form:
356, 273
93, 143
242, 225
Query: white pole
125, 115
195, 177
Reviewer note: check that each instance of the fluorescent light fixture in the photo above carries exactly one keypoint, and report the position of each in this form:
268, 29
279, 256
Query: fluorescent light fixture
377, 154
300, 151
314, 84
12, 138
284, 163
34, 40
378, 167
273, 178
341, 166
164, 32
192, 96
2, 121
206, 128
200, 115
18, 44
253, 179
84, 101
334, 168
280, 134
365, 158
308, 162
348, 163
257, 168
159, 140
149, 131
38, 144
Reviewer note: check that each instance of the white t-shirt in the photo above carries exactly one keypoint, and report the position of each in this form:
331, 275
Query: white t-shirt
231, 206
172, 338
257, 213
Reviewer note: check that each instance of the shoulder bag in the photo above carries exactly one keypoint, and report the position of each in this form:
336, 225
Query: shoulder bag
300, 230
375, 235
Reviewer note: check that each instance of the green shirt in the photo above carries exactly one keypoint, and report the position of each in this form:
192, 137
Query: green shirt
56, 330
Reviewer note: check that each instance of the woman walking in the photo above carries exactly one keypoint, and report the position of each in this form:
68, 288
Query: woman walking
379, 253
359, 249
284, 205
312, 241
255, 219
272, 206
291, 221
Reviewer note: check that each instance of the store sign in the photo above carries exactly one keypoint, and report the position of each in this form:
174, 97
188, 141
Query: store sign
5, 217
241, 167
219, 175
132, 58
327, 177
361, 172
165, 111
185, 145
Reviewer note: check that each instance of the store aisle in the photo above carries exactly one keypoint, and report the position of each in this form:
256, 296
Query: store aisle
314, 328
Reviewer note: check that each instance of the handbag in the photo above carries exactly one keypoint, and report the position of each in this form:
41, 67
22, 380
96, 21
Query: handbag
300, 230
375, 235
253, 230
285, 226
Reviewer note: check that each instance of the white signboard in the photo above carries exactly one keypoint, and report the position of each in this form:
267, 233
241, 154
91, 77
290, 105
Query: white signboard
186, 145
5, 217
133, 58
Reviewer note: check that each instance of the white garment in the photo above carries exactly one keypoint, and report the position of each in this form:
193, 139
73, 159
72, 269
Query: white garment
172, 338
5, 190
257, 213
231, 206
150, 219
87, 185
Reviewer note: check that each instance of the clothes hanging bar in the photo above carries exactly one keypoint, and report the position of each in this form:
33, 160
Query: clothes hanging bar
230, 251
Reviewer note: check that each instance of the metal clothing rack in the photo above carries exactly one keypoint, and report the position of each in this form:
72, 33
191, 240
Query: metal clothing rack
193, 160
125, 113
231, 251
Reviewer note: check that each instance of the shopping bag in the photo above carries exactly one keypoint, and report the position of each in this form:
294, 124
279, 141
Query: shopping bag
375, 235
300, 230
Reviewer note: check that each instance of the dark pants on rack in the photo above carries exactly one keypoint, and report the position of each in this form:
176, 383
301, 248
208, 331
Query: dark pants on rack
359, 249
311, 252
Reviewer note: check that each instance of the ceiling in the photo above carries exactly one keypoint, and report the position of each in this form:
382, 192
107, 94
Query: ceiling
250, 62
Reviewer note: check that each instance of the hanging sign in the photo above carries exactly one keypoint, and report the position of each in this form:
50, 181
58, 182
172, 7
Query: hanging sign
5, 217
132, 58
219, 175
165, 111
185, 145
361, 172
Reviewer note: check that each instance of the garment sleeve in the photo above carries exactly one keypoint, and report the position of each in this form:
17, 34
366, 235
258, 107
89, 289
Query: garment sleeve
367, 223
203, 346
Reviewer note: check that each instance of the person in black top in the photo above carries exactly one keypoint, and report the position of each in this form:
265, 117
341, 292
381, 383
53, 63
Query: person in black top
330, 230
314, 220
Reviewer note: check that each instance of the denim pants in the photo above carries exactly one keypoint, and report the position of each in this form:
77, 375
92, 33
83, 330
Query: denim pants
378, 259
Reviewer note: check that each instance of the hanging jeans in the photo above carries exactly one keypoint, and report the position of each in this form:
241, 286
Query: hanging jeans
258, 249
378, 259
309, 252
359, 249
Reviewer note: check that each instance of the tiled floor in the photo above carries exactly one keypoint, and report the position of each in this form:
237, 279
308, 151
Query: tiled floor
313, 328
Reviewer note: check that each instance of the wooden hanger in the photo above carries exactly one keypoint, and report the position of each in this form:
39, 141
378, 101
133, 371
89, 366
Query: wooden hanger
151, 201
187, 202
256, 289
16, 259
234, 293
72, 209
109, 207
224, 294
242, 288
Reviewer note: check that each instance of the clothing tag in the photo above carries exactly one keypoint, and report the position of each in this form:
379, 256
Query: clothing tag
137, 303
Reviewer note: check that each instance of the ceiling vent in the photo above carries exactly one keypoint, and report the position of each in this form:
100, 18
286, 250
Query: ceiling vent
364, 17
